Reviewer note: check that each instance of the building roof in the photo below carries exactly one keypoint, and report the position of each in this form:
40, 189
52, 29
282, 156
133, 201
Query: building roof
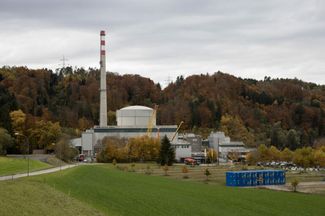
136, 107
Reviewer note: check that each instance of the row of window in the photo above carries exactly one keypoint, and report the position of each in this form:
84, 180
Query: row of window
182, 146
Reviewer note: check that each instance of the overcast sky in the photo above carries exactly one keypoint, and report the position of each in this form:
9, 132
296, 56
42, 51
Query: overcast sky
167, 38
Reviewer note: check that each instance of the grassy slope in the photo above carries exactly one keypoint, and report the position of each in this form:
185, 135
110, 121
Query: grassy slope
10, 166
121, 193
28, 197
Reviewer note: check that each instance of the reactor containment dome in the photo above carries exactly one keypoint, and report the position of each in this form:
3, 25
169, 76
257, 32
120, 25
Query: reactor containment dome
134, 116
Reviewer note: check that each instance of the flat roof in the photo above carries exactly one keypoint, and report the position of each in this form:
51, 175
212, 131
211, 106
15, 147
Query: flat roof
116, 129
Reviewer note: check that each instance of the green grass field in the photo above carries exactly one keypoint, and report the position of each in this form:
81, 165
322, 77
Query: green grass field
29, 197
113, 192
9, 166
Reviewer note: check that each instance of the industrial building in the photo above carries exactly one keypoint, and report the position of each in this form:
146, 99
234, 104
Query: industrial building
222, 144
132, 121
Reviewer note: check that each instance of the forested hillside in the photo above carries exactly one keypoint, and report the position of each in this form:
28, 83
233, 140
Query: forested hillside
282, 112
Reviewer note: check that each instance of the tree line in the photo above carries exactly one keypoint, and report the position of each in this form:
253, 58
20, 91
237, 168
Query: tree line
304, 157
286, 113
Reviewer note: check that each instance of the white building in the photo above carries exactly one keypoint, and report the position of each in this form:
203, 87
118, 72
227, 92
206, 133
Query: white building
183, 149
222, 144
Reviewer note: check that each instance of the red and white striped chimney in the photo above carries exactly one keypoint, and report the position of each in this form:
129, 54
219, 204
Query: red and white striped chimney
103, 96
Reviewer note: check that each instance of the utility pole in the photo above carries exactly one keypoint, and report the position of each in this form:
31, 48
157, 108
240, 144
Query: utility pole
64, 60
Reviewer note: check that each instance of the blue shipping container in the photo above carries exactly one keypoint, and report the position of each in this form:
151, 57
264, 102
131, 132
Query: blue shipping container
255, 177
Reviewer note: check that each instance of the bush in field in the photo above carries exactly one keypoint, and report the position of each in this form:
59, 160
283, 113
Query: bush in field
165, 168
294, 185
185, 171
207, 173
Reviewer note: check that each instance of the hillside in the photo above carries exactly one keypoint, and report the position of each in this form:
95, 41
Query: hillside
282, 112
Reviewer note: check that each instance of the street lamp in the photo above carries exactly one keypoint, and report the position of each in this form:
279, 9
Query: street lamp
26, 141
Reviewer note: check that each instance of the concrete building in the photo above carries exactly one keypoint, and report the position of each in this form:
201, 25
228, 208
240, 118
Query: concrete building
183, 149
188, 145
222, 144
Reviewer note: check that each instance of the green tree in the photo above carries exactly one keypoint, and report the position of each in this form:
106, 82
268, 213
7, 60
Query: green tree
6, 141
166, 153
293, 140
278, 136
64, 150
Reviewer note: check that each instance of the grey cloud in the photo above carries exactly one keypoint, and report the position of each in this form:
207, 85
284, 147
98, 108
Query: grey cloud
169, 38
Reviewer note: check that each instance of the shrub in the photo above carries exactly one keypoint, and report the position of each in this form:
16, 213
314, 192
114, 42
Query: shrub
294, 185
165, 168
207, 173
185, 171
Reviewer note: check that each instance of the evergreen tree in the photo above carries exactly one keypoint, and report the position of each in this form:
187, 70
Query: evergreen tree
166, 153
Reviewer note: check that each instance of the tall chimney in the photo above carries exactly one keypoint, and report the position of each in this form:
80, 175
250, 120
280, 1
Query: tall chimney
103, 96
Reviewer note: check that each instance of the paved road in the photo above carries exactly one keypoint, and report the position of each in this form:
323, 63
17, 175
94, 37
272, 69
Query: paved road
34, 173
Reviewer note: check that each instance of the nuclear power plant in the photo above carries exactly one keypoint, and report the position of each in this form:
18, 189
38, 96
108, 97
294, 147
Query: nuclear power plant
132, 121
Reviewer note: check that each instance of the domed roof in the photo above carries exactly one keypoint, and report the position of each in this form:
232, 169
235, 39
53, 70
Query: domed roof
137, 107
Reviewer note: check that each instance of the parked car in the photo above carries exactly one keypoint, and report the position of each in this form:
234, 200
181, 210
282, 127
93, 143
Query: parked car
190, 161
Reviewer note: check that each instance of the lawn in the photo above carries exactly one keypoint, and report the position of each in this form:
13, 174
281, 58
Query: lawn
116, 192
9, 166
29, 197
104, 189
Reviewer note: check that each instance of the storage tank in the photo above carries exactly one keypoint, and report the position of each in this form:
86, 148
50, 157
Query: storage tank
134, 116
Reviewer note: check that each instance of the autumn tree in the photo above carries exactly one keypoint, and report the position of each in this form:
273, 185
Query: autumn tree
286, 155
274, 153
143, 148
304, 157
212, 155
113, 148
235, 129
43, 134
319, 156
263, 153
18, 120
